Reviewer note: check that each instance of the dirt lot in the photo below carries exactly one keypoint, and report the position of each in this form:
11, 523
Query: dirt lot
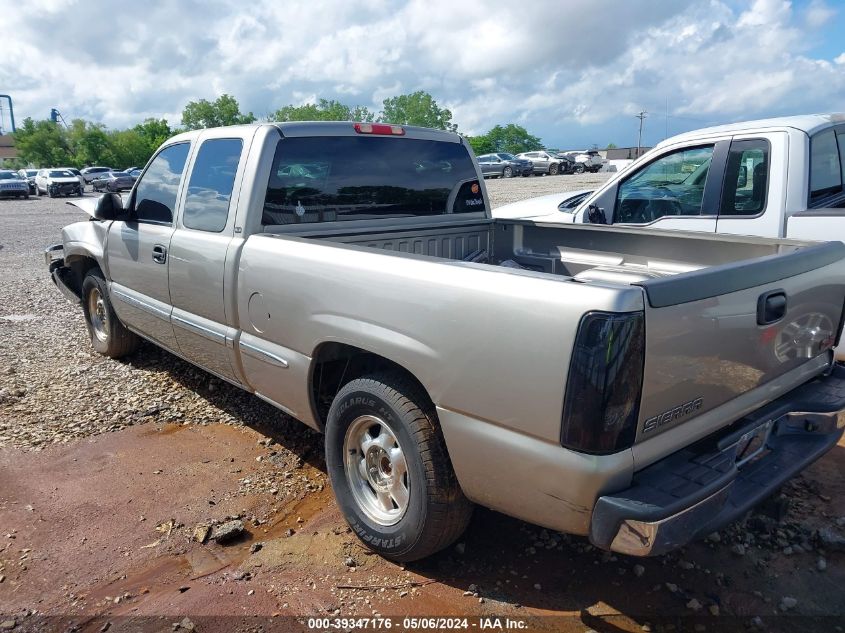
110, 472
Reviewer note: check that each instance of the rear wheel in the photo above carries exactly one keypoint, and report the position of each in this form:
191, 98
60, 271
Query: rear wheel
108, 335
390, 470
579, 168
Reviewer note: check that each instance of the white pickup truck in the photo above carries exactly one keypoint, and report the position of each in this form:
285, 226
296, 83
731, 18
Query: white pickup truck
780, 177
772, 178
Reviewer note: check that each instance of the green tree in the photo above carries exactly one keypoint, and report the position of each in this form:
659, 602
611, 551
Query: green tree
611, 146
418, 108
154, 132
42, 143
89, 143
222, 111
510, 138
481, 144
127, 148
323, 110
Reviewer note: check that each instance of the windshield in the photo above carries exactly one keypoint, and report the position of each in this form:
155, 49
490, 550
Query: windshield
31, 172
319, 179
506, 156
61, 174
5, 175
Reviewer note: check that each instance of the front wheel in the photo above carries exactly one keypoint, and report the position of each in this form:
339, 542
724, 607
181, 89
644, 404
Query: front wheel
579, 169
553, 169
108, 335
390, 471
507, 172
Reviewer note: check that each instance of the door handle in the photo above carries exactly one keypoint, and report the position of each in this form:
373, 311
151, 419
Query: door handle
159, 254
771, 307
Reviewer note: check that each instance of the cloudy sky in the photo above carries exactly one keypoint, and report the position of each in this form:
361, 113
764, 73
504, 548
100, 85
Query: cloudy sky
572, 72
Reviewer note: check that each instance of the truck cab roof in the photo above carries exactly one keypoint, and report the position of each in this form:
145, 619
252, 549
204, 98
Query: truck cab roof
331, 128
808, 123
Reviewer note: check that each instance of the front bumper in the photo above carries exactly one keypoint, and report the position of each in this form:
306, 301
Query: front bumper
14, 191
64, 188
61, 275
712, 483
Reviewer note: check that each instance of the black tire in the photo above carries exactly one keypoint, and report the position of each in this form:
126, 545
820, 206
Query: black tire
507, 172
114, 341
553, 168
26, 196
579, 168
436, 511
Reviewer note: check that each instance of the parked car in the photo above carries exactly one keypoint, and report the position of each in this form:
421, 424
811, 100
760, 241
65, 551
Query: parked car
135, 173
113, 181
504, 165
544, 162
76, 173
29, 176
89, 173
377, 301
12, 185
587, 160
567, 162
57, 182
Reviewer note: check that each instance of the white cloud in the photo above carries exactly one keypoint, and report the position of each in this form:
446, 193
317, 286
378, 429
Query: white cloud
818, 14
490, 61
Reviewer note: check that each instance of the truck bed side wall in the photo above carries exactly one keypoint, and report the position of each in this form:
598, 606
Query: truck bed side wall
487, 340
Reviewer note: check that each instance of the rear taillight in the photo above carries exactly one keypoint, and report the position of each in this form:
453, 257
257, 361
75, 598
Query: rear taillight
602, 398
379, 128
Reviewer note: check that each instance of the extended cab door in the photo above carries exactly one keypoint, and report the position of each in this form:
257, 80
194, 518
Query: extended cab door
137, 248
677, 189
203, 259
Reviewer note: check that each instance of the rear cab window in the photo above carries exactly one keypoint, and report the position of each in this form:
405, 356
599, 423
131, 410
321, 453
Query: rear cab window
343, 178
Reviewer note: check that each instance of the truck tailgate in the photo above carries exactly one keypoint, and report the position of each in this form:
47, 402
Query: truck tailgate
736, 336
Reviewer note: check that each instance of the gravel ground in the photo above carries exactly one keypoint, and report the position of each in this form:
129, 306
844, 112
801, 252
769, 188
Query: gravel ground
504, 191
107, 468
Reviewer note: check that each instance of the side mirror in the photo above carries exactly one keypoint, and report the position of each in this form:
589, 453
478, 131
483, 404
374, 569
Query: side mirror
109, 207
595, 215
742, 179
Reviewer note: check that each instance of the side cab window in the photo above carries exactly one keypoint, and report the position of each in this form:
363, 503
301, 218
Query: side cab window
154, 200
672, 185
826, 170
211, 183
746, 178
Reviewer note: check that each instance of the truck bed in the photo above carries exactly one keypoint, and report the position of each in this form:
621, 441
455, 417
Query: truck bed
700, 295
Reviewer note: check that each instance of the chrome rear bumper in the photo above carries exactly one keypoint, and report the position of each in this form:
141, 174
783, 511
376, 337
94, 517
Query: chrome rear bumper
714, 482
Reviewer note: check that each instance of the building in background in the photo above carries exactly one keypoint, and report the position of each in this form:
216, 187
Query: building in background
7, 147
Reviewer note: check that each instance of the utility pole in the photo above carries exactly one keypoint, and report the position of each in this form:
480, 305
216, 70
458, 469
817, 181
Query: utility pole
642, 115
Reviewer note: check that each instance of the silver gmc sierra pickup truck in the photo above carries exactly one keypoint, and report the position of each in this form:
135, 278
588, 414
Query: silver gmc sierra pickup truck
641, 388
